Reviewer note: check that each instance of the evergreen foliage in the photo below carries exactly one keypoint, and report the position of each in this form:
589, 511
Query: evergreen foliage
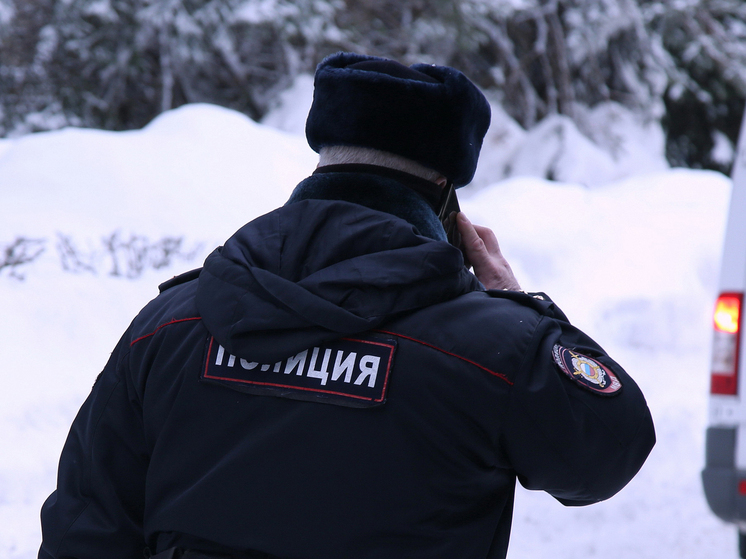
116, 64
706, 86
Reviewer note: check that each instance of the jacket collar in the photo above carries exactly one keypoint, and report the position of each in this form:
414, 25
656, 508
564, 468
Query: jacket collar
386, 190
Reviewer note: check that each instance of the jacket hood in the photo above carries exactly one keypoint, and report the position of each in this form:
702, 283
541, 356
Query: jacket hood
315, 270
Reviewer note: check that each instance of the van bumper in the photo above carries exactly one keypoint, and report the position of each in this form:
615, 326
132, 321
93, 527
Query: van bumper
720, 479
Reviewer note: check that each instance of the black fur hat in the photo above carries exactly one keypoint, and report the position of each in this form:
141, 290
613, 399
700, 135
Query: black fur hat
431, 114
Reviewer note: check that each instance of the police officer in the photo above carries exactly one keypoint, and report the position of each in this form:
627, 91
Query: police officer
334, 382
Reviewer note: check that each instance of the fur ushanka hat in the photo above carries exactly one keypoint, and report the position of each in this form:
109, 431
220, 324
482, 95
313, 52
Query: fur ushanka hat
431, 114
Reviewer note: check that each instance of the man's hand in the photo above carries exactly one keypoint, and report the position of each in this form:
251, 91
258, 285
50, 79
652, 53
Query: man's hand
482, 250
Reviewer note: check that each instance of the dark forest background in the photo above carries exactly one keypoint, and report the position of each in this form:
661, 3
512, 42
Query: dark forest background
116, 64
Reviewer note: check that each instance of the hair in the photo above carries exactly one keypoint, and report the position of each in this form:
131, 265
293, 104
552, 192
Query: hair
339, 155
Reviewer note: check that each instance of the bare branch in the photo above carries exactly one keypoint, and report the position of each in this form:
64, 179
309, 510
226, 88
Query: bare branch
20, 252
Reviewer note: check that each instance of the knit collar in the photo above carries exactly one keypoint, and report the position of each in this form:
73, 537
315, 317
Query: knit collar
378, 188
429, 191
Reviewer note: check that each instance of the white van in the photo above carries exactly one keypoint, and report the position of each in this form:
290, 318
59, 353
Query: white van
724, 475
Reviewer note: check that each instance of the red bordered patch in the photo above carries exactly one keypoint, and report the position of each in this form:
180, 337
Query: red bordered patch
586, 371
351, 372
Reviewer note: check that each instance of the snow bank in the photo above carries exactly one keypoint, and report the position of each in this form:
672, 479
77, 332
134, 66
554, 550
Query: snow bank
173, 177
646, 247
634, 263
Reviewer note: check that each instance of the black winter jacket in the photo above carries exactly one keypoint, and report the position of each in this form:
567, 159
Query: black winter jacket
335, 385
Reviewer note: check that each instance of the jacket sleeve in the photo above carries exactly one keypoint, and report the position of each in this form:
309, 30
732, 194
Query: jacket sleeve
578, 440
97, 509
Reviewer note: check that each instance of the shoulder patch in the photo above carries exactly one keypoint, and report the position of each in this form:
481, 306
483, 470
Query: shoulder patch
352, 372
586, 371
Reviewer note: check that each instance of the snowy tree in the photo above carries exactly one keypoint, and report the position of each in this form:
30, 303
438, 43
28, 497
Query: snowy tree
116, 64
706, 70
24, 90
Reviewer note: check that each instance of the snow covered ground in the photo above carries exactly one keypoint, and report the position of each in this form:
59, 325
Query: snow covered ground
633, 261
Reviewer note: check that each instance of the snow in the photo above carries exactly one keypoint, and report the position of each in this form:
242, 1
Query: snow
292, 107
263, 11
722, 151
599, 146
102, 9
7, 11
634, 261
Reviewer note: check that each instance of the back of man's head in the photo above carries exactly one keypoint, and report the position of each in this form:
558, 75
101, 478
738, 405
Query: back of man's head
430, 114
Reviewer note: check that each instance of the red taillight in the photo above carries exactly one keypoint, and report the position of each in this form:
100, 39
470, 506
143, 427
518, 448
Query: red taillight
725, 344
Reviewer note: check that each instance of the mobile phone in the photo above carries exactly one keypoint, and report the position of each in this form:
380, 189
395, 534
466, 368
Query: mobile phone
449, 209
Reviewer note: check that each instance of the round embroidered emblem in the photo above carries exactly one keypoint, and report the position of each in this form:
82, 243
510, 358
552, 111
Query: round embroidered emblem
587, 372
